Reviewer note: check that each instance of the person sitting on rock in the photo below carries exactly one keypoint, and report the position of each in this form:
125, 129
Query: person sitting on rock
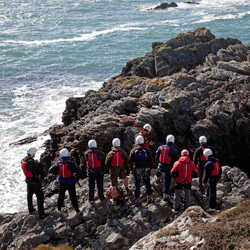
182, 171
68, 172
212, 174
34, 173
117, 164
140, 161
94, 160
166, 155
200, 160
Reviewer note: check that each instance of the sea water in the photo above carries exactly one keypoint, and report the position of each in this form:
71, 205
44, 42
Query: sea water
53, 49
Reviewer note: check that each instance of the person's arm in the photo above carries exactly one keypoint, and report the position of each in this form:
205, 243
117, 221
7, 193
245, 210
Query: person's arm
174, 170
108, 159
194, 170
196, 156
157, 154
131, 160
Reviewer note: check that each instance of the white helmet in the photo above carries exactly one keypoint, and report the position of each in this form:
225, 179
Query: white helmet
64, 153
32, 151
203, 139
184, 152
92, 144
147, 127
116, 142
207, 152
170, 138
139, 139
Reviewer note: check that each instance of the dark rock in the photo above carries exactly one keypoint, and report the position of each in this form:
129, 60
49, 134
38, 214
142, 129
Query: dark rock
164, 6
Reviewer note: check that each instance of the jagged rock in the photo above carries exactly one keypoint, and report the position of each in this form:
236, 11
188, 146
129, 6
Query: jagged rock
164, 6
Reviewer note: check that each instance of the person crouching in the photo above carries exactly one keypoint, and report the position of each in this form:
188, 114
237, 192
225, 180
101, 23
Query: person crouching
182, 171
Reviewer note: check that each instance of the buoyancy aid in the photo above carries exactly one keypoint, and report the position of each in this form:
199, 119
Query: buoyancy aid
64, 170
26, 172
164, 155
117, 160
216, 169
202, 157
93, 161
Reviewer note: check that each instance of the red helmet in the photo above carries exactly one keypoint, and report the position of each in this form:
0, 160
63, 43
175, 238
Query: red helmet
184, 152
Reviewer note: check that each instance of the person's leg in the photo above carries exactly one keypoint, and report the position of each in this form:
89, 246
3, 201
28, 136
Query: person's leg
40, 199
91, 186
61, 196
200, 172
187, 190
166, 183
146, 179
99, 180
30, 193
137, 182
73, 197
212, 194
177, 198
114, 181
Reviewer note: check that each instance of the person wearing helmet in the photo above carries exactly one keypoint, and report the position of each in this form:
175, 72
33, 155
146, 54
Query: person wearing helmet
165, 156
94, 161
34, 173
140, 162
67, 171
146, 132
212, 174
183, 171
199, 159
117, 164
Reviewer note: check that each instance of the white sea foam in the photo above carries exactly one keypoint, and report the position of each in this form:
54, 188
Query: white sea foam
83, 37
34, 110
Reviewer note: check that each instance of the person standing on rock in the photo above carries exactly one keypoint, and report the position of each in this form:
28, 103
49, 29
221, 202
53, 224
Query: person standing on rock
200, 160
166, 155
182, 171
67, 171
212, 174
117, 164
94, 160
33, 173
146, 132
140, 161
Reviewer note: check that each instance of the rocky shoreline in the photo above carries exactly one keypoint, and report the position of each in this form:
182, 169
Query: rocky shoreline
191, 85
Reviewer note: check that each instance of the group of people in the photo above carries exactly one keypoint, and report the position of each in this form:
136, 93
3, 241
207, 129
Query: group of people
139, 163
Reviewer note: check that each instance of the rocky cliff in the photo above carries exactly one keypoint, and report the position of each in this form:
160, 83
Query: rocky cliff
192, 85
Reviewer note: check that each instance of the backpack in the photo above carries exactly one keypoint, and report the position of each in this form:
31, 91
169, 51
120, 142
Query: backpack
140, 156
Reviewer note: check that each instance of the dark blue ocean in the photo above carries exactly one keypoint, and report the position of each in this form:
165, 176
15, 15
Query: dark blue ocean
53, 49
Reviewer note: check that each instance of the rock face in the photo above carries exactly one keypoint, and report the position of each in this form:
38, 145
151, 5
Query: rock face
192, 85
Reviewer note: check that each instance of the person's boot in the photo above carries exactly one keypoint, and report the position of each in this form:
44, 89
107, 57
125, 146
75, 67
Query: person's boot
32, 211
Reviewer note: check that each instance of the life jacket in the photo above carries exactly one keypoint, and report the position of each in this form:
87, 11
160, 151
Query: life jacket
117, 159
216, 169
93, 161
165, 155
64, 170
202, 157
26, 172
140, 156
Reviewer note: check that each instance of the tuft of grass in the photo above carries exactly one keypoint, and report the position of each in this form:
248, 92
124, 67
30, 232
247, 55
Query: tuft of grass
230, 231
49, 247
167, 232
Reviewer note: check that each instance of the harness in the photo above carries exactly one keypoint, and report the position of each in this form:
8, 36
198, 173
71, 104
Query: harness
26, 172
164, 156
64, 170
93, 161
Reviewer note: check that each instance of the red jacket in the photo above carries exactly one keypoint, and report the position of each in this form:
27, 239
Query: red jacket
183, 170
